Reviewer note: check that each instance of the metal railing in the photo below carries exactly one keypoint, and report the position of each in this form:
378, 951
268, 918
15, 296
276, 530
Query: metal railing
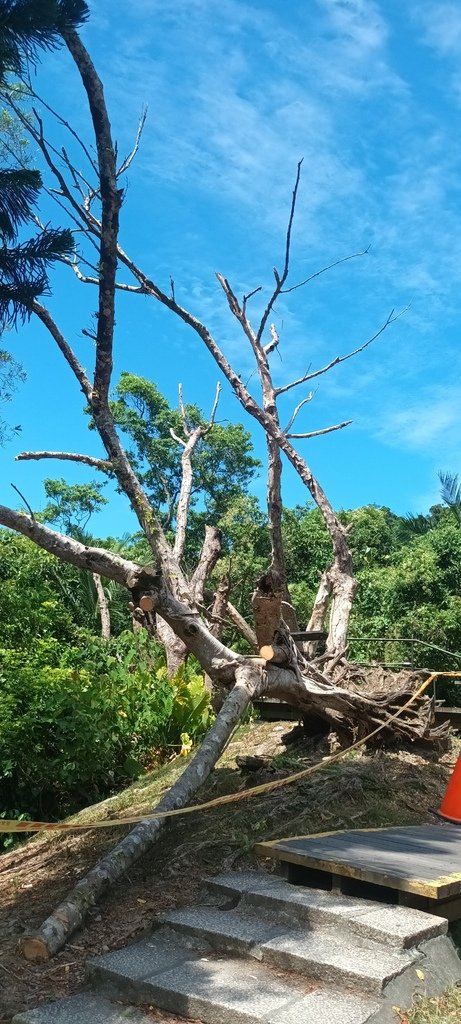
406, 640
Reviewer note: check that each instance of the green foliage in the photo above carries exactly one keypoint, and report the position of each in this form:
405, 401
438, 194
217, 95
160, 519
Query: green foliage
223, 461
409, 580
307, 552
450, 492
42, 598
413, 594
376, 533
11, 374
76, 724
26, 27
71, 505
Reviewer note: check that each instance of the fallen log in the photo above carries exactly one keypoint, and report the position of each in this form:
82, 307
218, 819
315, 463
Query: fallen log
60, 925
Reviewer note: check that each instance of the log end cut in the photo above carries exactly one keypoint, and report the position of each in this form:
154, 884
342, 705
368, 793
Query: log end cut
34, 948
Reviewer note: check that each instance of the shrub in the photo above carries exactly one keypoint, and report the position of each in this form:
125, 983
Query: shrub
86, 721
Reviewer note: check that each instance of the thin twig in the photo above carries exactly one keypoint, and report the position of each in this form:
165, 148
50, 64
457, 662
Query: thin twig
297, 410
246, 298
344, 259
341, 359
129, 159
24, 500
280, 279
65, 125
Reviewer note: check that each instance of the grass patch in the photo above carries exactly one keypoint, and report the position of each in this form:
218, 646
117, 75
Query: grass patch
445, 1010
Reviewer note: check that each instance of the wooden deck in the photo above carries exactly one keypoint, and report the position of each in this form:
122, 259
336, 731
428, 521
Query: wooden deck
420, 864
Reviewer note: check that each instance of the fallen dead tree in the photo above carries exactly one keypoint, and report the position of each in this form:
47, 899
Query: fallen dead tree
162, 593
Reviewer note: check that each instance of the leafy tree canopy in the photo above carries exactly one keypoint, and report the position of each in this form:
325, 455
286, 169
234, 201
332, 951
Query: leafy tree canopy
223, 460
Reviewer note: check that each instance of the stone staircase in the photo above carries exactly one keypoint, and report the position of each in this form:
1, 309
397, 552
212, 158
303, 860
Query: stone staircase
261, 951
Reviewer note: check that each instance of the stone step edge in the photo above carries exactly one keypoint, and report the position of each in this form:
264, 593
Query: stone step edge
220, 928
355, 916
167, 991
85, 1005
153, 958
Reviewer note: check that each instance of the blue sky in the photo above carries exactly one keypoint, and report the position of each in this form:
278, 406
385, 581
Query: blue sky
370, 96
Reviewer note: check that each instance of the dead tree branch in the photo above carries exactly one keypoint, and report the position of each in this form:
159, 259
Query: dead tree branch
211, 550
325, 430
111, 200
102, 464
242, 625
194, 436
69, 355
324, 270
340, 359
298, 410
103, 606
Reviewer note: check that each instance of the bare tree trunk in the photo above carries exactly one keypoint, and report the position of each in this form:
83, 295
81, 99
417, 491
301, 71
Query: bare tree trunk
216, 619
70, 914
219, 606
175, 649
344, 586
103, 607
243, 626
274, 506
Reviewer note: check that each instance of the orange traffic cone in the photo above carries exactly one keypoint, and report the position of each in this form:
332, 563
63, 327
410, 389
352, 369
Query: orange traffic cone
450, 808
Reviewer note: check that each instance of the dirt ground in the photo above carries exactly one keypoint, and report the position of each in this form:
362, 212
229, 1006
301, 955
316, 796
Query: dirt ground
366, 789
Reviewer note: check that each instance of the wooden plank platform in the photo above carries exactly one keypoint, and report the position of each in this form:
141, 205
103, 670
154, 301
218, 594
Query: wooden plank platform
423, 860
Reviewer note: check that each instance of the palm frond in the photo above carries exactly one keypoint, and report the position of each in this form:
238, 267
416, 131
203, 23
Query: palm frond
450, 492
16, 300
451, 489
37, 253
19, 191
419, 524
26, 26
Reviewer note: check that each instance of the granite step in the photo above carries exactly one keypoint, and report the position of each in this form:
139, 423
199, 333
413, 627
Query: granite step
223, 989
322, 954
224, 930
392, 925
84, 1008
261, 951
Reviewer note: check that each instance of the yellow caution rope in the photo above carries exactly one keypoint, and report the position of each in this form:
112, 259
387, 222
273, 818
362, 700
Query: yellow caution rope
10, 825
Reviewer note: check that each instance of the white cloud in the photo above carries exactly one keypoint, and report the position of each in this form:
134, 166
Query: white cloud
441, 25
430, 425
357, 21
234, 101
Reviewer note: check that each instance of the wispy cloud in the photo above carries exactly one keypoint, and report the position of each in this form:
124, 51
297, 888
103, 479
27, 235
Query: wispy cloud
236, 96
441, 26
427, 424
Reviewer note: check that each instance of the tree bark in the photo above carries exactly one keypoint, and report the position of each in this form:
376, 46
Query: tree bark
211, 550
103, 607
175, 649
243, 626
317, 621
70, 914
267, 607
